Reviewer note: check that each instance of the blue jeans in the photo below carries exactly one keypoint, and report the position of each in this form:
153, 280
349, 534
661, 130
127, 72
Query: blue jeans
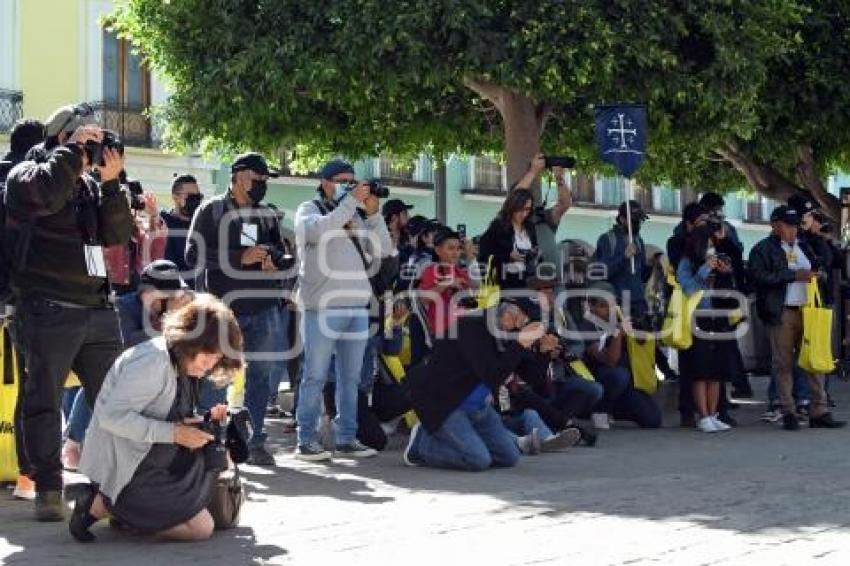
800, 391
78, 422
523, 423
470, 440
614, 381
280, 367
339, 335
576, 396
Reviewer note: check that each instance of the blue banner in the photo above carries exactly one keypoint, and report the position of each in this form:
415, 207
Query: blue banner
621, 136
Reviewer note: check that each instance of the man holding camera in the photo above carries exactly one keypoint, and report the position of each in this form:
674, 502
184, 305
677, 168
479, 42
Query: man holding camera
340, 236
781, 266
236, 249
58, 221
187, 198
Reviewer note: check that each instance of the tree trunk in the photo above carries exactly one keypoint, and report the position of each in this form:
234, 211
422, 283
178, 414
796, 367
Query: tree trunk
767, 181
523, 120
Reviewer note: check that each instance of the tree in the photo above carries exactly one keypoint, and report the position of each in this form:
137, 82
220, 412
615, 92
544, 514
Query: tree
360, 77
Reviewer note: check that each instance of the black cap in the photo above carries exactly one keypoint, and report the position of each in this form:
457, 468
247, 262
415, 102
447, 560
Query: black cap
444, 233
786, 215
394, 206
419, 224
637, 210
802, 204
162, 275
255, 162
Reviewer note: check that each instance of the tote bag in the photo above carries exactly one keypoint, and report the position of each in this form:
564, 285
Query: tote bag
816, 348
8, 398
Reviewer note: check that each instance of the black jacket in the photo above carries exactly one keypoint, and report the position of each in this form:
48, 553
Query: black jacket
52, 213
770, 275
826, 259
498, 242
259, 290
456, 367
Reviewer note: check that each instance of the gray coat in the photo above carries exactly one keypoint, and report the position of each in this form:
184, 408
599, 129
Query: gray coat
129, 416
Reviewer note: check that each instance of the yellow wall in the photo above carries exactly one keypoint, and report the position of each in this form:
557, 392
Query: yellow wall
51, 46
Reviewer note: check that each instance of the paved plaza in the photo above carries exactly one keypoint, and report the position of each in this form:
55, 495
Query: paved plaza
757, 495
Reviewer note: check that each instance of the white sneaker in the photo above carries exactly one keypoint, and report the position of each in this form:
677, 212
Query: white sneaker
600, 421
530, 444
706, 424
720, 425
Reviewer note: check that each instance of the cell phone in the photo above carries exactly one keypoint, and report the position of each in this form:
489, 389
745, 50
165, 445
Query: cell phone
461, 230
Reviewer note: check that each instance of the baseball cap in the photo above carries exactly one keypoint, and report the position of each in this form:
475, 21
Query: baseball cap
68, 118
394, 206
162, 275
712, 200
336, 167
802, 204
419, 224
786, 215
636, 208
253, 161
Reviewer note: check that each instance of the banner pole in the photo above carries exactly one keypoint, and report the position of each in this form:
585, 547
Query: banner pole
629, 218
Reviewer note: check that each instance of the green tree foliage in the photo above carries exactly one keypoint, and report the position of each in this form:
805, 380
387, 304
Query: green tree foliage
746, 83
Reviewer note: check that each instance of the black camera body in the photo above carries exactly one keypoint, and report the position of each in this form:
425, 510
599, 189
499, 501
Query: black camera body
94, 150
563, 161
215, 451
715, 221
135, 189
281, 259
724, 259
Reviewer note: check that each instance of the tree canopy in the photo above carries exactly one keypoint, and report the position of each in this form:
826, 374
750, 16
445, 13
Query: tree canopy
747, 83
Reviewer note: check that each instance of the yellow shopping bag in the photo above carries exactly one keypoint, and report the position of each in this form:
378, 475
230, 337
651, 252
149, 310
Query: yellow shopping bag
642, 363
8, 398
816, 348
489, 292
582, 370
676, 330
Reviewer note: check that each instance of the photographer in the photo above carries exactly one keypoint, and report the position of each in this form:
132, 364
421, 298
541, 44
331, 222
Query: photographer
452, 394
780, 267
713, 204
511, 241
336, 257
187, 198
147, 458
713, 264
693, 216
58, 221
547, 220
244, 264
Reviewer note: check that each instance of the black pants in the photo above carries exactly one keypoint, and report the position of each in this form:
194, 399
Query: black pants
57, 339
369, 430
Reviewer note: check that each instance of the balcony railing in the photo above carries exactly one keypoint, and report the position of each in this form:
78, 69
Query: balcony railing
11, 108
129, 122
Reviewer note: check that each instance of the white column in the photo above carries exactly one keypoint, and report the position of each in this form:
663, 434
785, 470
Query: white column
10, 28
92, 55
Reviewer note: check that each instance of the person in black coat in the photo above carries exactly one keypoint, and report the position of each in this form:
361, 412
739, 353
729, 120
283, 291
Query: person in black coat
451, 392
511, 241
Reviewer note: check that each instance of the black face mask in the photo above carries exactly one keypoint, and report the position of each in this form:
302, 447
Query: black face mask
193, 201
257, 192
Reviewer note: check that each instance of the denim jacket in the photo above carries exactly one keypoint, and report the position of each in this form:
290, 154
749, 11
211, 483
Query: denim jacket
693, 281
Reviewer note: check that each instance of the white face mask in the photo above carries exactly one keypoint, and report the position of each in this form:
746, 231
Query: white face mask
340, 190
710, 252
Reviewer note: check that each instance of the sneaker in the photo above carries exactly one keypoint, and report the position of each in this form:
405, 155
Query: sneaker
71, 455
567, 438
803, 409
719, 424
409, 458
790, 422
355, 449
726, 419
600, 421
24, 488
825, 421
49, 507
706, 424
530, 444
260, 457
313, 452
772, 415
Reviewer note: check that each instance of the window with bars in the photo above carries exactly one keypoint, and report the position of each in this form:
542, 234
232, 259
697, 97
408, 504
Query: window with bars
487, 174
126, 92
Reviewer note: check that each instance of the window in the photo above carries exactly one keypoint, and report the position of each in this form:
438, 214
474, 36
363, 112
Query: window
488, 174
126, 82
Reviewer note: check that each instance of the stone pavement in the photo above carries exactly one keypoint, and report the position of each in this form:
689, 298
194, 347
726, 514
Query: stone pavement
756, 495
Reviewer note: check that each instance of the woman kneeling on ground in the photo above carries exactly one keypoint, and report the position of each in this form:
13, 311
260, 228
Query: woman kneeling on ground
142, 453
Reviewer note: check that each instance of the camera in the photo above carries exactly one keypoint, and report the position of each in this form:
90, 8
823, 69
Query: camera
461, 231
560, 161
724, 258
134, 187
94, 150
281, 259
714, 221
215, 452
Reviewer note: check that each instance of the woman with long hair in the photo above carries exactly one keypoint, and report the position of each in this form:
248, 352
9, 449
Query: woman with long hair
710, 266
511, 242
144, 452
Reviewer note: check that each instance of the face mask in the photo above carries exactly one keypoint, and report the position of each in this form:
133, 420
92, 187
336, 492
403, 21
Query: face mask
340, 190
193, 201
257, 192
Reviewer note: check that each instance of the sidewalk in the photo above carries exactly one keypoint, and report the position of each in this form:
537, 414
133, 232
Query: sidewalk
757, 495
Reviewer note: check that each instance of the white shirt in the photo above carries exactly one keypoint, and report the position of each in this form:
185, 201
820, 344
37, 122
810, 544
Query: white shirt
522, 244
795, 294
